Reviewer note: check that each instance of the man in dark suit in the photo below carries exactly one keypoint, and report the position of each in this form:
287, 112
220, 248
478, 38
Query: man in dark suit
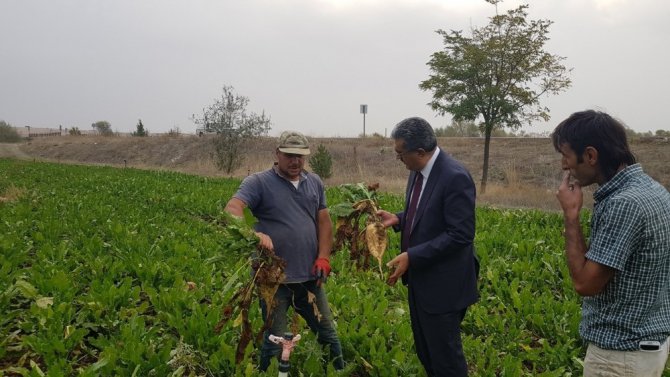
437, 260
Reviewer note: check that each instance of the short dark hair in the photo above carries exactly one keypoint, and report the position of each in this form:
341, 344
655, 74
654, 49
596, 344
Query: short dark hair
417, 134
600, 131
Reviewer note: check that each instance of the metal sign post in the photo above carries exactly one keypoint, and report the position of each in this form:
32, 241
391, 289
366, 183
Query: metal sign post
364, 110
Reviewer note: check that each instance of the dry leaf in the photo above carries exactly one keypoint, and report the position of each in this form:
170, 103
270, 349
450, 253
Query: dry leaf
190, 286
340, 222
267, 293
238, 321
365, 205
44, 302
68, 331
376, 239
311, 298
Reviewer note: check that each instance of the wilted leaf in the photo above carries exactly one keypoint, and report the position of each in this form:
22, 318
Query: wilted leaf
44, 302
68, 331
311, 298
365, 206
267, 293
238, 321
190, 285
376, 239
36, 368
366, 364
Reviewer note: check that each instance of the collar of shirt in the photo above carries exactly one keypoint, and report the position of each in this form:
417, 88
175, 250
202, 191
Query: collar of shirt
425, 172
429, 166
615, 183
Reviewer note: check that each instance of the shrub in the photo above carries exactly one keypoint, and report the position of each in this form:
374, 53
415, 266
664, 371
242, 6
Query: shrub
8, 134
74, 131
174, 132
141, 131
103, 127
321, 162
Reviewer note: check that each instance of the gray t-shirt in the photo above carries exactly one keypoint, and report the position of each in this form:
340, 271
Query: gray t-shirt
288, 215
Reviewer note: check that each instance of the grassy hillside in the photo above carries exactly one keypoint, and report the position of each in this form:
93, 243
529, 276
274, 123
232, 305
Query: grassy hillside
523, 172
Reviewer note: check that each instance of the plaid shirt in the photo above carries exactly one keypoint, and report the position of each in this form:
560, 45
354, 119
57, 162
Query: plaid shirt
630, 232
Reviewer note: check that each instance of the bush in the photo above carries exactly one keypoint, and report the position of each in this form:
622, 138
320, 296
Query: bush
174, 132
8, 134
321, 162
141, 131
75, 131
103, 127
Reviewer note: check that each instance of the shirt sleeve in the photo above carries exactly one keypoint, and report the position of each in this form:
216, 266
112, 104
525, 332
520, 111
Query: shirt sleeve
250, 191
322, 195
616, 233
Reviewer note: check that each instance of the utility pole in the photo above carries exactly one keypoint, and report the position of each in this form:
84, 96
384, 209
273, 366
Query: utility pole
364, 110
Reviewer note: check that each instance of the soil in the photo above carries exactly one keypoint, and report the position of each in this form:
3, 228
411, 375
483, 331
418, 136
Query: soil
523, 172
8, 150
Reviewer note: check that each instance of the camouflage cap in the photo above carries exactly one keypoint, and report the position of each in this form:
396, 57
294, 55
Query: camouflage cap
293, 142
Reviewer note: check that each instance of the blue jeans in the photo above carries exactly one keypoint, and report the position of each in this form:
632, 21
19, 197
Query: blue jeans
295, 295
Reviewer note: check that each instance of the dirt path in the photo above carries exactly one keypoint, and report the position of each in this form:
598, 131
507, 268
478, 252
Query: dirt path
8, 150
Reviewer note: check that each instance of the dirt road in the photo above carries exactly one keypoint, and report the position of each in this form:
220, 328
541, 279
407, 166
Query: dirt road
8, 150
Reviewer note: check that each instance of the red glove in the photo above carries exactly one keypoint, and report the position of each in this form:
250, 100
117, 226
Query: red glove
321, 270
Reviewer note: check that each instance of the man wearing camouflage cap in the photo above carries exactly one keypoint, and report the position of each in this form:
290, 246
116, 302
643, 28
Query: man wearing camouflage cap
293, 221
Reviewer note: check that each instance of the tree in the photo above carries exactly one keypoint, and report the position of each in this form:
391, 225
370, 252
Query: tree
459, 129
497, 75
140, 130
233, 125
103, 127
321, 162
8, 133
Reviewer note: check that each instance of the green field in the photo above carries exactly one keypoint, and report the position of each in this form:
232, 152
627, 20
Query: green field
94, 263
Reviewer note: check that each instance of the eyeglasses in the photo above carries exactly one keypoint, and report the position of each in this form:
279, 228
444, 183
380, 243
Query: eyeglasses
400, 155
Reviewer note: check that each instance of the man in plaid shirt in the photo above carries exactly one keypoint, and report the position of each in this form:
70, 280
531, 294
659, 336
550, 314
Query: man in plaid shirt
624, 272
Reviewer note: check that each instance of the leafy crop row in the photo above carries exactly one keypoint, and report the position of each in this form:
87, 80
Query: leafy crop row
108, 271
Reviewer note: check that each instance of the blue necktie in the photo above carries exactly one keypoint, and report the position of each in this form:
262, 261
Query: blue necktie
411, 211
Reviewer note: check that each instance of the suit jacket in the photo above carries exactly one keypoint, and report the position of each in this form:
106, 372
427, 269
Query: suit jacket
443, 267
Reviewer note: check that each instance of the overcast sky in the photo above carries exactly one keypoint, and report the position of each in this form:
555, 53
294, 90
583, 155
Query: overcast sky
309, 64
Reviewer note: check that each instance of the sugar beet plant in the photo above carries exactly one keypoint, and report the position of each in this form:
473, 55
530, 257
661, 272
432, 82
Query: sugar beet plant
358, 228
268, 273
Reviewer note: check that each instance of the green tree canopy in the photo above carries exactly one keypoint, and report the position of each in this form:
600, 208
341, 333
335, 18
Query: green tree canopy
497, 75
103, 127
8, 133
321, 162
228, 117
141, 131
459, 129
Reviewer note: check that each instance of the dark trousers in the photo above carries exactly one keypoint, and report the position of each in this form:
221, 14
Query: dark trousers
296, 295
437, 338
